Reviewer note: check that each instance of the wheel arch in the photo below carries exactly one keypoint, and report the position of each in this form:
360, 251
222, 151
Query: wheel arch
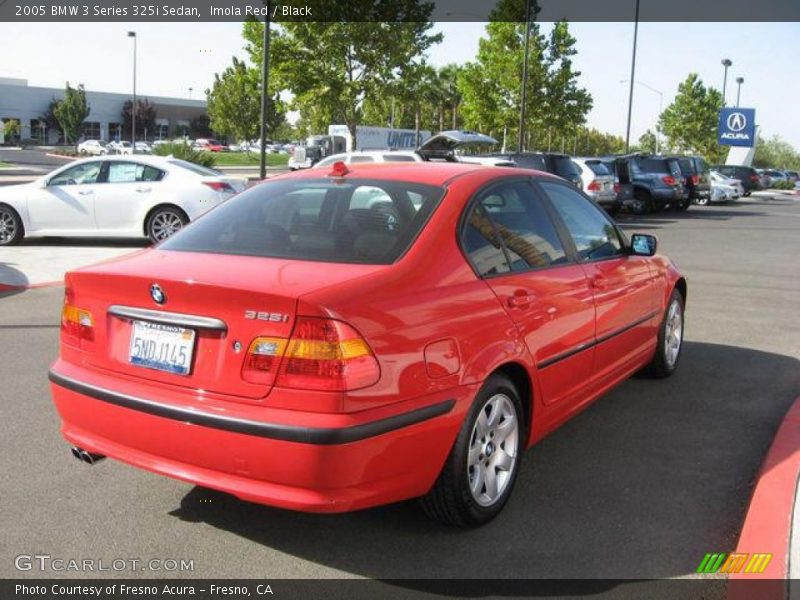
521, 379
158, 206
21, 215
681, 286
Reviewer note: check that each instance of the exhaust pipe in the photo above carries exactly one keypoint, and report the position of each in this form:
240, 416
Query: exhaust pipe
86, 456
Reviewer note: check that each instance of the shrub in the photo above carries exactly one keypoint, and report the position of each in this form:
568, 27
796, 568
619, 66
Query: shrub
783, 185
185, 152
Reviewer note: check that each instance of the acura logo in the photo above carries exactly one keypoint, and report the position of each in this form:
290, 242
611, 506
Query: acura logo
736, 121
157, 294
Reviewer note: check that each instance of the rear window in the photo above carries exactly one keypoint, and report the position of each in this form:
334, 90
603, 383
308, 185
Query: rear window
196, 169
687, 166
565, 167
355, 221
653, 165
597, 167
529, 161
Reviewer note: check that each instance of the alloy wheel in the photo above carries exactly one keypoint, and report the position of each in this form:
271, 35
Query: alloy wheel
8, 226
673, 334
165, 224
493, 450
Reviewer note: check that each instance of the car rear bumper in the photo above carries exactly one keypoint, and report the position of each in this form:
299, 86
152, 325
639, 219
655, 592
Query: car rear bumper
291, 459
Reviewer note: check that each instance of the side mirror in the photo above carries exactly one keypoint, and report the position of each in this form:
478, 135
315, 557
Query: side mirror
643, 244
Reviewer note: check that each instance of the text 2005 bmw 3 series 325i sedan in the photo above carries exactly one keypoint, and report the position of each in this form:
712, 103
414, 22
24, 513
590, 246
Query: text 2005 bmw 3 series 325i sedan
332, 341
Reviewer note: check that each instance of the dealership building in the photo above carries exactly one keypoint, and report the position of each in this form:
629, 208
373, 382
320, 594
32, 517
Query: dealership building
26, 104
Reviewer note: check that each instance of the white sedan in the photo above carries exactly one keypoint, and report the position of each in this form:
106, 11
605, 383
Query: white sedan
93, 147
113, 196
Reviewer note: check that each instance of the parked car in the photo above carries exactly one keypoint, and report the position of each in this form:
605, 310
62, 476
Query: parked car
143, 148
729, 189
463, 146
749, 178
598, 183
210, 145
113, 196
696, 179
121, 147
775, 176
368, 156
764, 179
792, 176
549, 162
618, 166
93, 148
412, 348
657, 183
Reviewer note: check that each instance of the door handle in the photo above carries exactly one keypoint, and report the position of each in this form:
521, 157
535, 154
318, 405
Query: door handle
86, 192
599, 282
143, 190
520, 299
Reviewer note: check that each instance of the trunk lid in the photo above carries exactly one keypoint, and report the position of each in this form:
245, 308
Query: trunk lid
249, 296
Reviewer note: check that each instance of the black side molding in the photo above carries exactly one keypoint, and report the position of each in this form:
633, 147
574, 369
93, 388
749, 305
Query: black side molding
289, 433
571, 352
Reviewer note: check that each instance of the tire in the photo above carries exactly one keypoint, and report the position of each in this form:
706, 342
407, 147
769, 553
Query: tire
11, 229
642, 203
701, 201
462, 495
670, 339
683, 205
164, 222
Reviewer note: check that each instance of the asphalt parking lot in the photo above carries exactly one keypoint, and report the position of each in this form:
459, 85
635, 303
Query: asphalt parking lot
641, 485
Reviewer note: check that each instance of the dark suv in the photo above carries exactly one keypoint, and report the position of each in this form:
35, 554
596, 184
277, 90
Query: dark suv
550, 162
657, 183
751, 181
697, 179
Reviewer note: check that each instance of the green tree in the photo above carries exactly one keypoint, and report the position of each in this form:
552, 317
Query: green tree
234, 103
690, 122
593, 142
146, 115
776, 153
331, 66
200, 127
12, 129
647, 142
71, 112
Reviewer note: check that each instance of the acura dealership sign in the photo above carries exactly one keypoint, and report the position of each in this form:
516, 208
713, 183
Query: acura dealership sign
737, 127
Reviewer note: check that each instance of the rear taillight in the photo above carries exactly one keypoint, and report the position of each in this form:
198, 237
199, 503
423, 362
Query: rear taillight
76, 323
324, 354
617, 188
669, 180
220, 186
695, 179
753, 177
594, 186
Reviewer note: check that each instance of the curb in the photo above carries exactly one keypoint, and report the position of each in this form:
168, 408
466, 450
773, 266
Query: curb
768, 524
52, 155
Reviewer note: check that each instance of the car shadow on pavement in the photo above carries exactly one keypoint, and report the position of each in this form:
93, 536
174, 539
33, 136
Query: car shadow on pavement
642, 484
12, 280
87, 242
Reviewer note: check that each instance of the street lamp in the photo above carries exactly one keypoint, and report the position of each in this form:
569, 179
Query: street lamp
633, 78
264, 96
190, 93
660, 103
726, 62
739, 81
132, 34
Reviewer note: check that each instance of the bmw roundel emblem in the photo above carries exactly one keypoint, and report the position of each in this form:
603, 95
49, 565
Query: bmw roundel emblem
157, 294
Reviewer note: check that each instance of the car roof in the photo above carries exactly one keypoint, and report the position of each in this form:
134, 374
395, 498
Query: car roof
156, 161
431, 173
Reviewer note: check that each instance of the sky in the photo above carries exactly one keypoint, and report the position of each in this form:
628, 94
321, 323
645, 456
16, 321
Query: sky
174, 57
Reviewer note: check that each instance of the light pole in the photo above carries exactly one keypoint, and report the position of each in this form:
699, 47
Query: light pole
739, 81
633, 78
264, 94
132, 34
524, 94
726, 62
660, 103
190, 93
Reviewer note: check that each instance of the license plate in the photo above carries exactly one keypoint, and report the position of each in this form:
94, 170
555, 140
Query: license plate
161, 347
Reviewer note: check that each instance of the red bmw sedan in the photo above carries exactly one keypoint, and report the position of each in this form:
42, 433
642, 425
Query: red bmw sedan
329, 341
